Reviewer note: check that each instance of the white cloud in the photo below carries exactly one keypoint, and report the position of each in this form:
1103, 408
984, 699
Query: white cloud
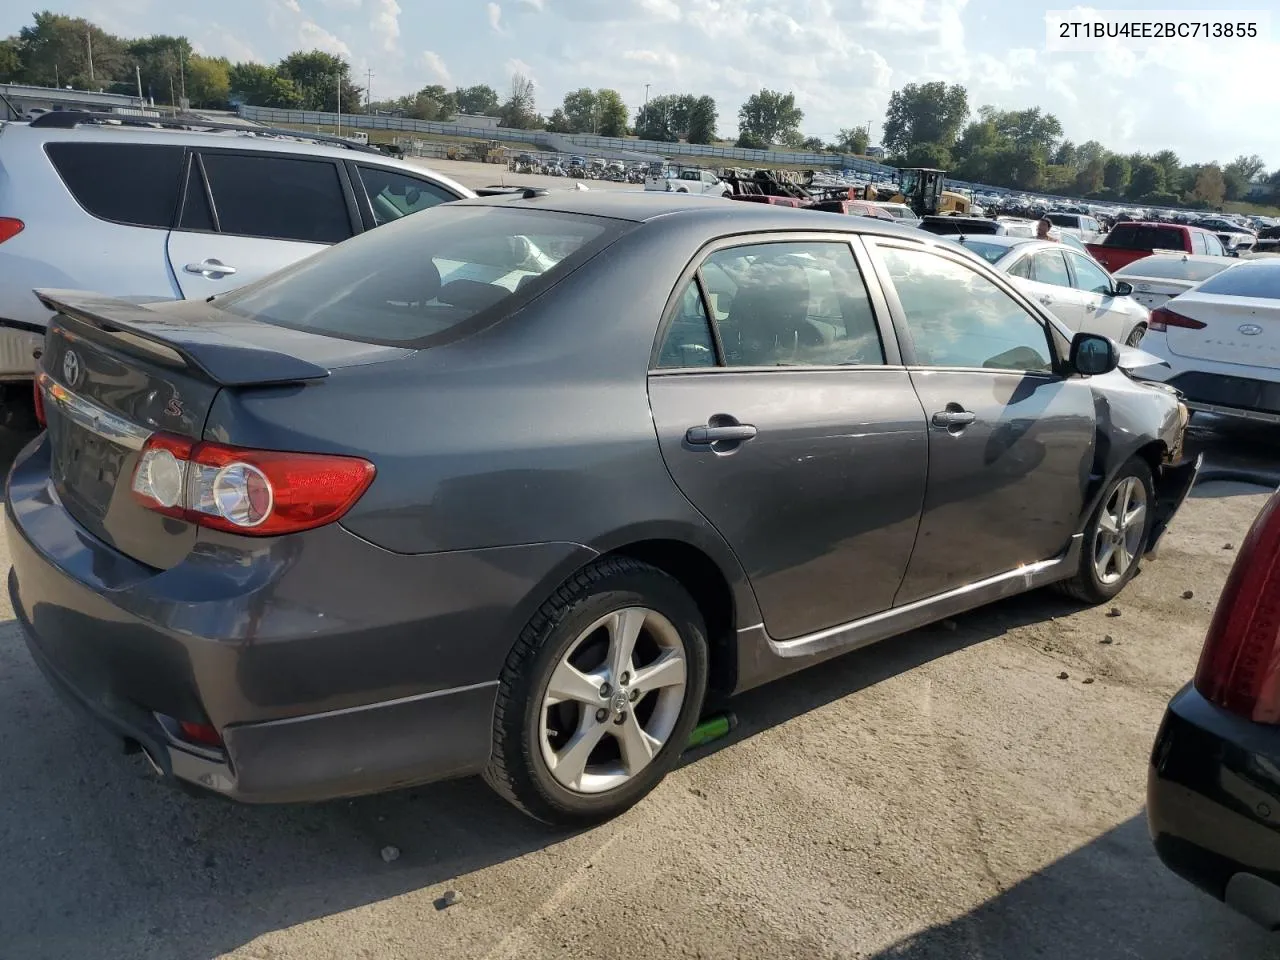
494, 13
661, 9
342, 4
385, 25
516, 65
292, 6
538, 5
224, 43
434, 65
658, 58
312, 36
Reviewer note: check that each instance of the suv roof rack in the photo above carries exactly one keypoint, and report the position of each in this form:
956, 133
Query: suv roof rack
69, 119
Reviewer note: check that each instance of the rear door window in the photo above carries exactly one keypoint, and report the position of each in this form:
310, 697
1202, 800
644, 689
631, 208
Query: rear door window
393, 194
1213, 246
131, 183
1197, 242
1130, 236
422, 280
278, 197
1051, 268
1089, 276
792, 305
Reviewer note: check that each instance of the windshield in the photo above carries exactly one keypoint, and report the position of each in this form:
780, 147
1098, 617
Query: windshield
1064, 219
414, 282
1133, 237
1179, 269
1256, 279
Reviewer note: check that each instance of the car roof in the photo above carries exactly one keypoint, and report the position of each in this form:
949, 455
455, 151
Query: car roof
1162, 257
1003, 239
642, 206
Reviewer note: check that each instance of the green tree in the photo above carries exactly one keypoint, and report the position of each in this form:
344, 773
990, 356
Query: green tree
813, 144
481, 100
853, 140
580, 108
162, 65
1169, 165
1065, 155
924, 113
1090, 151
927, 155
1091, 177
558, 122
1115, 173
209, 81
520, 109
611, 114
56, 49
11, 68
768, 117
1238, 174
700, 123
318, 76
1210, 189
1147, 178
1029, 129
263, 86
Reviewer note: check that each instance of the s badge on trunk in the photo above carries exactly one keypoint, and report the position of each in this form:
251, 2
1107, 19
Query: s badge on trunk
71, 368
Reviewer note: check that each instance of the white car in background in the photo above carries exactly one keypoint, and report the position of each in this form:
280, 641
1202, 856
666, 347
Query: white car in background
1079, 225
1073, 286
1161, 276
900, 212
1220, 342
692, 180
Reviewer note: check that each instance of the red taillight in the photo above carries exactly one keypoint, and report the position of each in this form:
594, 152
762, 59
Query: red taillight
10, 227
256, 492
1240, 665
201, 733
1163, 318
39, 401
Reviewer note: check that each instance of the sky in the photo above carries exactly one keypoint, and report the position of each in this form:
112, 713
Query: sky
841, 58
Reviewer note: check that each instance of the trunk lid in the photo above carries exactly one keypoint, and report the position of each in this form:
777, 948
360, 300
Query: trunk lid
1155, 293
115, 372
1243, 330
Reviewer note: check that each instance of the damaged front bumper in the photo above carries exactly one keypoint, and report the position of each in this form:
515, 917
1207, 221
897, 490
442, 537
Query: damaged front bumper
1173, 482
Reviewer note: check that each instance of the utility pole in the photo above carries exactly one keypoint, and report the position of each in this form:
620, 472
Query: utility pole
646, 96
339, 79
88, 35
182, 73
368, 91
137, 71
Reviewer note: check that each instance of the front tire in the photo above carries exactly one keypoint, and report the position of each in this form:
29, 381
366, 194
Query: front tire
1116, 536
1136, 335
599, 694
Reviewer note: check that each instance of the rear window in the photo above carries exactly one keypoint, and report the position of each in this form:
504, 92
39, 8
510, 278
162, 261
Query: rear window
990, 252
1246, 280
1064, 219
1196, 270
1132, 237
425, 280
131, 183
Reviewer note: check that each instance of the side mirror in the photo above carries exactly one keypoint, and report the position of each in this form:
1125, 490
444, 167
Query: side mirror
1123, 288
1092, 354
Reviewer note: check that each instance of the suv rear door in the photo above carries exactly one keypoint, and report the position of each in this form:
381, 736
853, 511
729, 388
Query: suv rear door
245, 214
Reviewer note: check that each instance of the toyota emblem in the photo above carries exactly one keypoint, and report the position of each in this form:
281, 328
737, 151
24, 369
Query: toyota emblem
1249, 329
71, 368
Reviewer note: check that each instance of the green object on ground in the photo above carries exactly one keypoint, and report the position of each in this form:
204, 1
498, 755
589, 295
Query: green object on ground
712, 728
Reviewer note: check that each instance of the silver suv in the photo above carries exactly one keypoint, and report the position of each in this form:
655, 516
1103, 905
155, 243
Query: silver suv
112, 204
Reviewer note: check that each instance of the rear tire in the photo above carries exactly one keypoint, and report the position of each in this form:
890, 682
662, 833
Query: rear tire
586, 723
1136, 335
1115, 537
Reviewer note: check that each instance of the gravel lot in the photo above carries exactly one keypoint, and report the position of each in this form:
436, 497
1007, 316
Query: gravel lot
941, 795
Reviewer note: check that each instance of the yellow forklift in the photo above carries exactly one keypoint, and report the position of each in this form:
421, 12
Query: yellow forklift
921, 189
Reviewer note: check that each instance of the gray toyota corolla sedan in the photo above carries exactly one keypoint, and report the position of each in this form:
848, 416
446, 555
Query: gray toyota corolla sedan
517, 486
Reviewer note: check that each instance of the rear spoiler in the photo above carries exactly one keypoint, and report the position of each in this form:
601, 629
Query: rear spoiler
201, 345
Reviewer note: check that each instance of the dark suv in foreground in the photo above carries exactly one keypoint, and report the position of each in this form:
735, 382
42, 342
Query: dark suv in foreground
514, 487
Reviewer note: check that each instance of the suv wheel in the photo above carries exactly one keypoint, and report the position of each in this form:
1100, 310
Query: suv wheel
1116, 536
599, 695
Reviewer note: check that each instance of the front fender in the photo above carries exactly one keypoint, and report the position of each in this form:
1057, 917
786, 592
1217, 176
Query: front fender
1173, 482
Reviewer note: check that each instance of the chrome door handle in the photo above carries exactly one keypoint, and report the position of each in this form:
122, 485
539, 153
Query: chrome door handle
1046, 300
211, 268
1091, 308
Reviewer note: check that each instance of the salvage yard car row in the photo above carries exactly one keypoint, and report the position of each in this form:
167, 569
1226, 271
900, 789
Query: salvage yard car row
274, 530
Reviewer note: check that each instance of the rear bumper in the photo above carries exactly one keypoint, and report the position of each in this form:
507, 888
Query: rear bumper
1213, 804
329, 667
18, 343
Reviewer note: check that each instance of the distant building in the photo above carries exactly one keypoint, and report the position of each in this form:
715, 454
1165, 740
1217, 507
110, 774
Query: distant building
18, 101
874, 151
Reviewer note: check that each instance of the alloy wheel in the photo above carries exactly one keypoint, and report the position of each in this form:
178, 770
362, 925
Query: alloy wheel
1121, 525
613, 700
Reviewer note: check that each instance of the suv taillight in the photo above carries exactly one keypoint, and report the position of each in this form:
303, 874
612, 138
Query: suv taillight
260, 493
1240, 665
1162, 318
10, 227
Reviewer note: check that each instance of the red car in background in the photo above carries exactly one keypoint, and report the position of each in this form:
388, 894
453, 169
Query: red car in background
1134, 240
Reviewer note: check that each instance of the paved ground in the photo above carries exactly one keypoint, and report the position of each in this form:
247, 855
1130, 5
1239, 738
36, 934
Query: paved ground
942, 795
